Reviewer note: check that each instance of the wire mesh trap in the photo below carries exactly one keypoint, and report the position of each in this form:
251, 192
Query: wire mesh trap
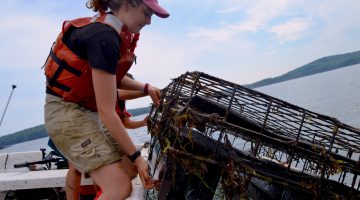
213, 139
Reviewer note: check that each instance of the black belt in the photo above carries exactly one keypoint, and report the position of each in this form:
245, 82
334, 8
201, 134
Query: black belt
49, 91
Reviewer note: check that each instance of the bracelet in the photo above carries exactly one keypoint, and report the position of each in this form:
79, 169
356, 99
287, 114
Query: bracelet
146, 88
134, 156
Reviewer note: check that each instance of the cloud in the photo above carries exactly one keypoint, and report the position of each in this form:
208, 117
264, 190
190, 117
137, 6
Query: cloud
231, 39
261, 12
26, 41
253, 16
231, 9
160, 57
216, 35
291, 30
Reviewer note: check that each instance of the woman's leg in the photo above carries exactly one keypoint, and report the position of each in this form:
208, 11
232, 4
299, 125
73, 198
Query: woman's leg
73, 180
82, 139
129, 167
113, 181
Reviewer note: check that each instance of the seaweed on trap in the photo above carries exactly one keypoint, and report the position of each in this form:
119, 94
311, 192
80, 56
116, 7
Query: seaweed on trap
213, 139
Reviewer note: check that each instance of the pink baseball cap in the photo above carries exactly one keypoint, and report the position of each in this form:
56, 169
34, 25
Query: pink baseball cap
158, 10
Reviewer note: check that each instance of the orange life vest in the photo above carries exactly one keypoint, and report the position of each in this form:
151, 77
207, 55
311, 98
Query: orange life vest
70, 77
123, 113
121, 109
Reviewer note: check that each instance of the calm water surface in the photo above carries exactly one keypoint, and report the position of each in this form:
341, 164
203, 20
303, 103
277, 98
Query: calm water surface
139, 136
335, 93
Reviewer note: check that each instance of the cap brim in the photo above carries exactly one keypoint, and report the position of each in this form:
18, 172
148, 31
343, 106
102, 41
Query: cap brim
158, 10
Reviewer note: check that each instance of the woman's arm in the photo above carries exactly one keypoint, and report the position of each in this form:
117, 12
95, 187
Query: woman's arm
105, 94
132, 124
105, 87
130, 84
130, 94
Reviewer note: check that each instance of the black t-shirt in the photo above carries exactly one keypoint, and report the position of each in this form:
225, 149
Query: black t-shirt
98, 43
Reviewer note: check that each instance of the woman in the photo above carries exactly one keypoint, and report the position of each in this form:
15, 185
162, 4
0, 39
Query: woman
73, 178
124, 115
86, 64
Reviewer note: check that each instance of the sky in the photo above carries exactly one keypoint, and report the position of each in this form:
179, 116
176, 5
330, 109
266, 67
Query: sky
242, 41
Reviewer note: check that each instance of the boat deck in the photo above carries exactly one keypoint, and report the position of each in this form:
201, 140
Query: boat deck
22, 178
36, 179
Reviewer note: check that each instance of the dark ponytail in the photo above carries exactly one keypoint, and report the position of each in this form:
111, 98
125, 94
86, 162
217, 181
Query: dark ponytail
98, 5
104, 5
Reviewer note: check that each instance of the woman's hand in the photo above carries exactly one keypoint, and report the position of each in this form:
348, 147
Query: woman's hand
143, 167
154, 93
145, 120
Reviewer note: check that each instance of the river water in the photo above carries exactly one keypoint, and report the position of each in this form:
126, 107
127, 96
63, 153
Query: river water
139, 136
335, 93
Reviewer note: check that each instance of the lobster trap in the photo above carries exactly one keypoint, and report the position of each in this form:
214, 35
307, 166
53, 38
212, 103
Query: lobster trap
213, 139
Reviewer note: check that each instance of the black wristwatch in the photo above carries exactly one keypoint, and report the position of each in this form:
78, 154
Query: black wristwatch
135, 155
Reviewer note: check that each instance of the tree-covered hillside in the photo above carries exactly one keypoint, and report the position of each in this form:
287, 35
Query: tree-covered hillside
321, 65
23, 136
318, 66
40, 132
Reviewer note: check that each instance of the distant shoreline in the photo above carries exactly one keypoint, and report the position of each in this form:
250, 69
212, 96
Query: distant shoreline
321, 65
39, 131
5, 147
318, 66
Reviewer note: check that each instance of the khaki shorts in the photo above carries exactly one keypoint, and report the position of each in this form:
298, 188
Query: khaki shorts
79, 135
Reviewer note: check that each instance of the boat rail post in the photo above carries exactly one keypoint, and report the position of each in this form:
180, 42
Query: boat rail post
7, 104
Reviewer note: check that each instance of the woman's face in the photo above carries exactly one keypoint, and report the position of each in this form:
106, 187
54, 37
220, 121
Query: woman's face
139, 17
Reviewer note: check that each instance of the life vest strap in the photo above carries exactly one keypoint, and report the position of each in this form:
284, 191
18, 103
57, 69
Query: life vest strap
62, 66
49, 91
53, 83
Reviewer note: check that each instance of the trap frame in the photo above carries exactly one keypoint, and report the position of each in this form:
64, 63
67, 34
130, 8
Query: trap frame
254, 146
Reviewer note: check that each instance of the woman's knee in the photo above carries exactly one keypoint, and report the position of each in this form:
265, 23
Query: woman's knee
133, 172
118, 193
129, 167
113, 180
127, 189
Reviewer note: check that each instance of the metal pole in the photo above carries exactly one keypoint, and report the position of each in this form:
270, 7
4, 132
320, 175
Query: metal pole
7, 104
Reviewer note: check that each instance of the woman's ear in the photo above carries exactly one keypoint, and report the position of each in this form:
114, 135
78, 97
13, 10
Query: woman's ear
127, 5
130, 4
